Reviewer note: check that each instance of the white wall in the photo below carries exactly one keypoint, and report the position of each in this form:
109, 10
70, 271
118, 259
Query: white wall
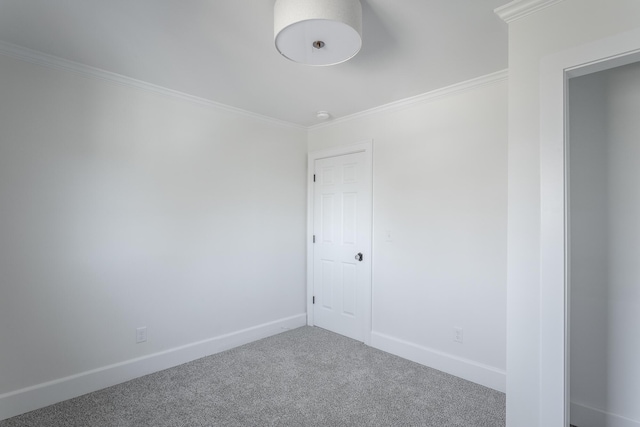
623, 340
440, 190
605, 206
589, 241
566, 24
121, 208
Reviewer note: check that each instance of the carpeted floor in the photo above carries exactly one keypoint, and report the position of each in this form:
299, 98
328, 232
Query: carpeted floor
304, 377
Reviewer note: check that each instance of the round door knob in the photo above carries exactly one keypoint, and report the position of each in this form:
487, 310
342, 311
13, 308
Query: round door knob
359, 256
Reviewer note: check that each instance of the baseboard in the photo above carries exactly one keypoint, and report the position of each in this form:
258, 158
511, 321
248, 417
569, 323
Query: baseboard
585, 416
41, 395
485, 375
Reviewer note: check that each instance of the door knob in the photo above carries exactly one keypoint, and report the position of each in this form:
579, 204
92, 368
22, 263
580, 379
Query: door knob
359, 256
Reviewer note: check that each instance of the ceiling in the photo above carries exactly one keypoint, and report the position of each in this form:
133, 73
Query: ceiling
223, 51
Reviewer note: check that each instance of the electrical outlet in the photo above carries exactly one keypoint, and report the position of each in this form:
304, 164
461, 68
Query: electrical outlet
141, 334
458, 335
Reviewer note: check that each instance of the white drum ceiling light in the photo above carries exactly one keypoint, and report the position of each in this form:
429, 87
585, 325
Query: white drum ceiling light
318, 32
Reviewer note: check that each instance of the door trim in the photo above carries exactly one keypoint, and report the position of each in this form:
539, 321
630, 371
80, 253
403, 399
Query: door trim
555, 71
365, 147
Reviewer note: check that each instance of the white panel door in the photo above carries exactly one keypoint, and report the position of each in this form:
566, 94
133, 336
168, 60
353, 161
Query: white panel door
341, 252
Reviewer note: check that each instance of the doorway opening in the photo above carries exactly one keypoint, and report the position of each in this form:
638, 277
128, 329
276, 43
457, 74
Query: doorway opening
558, 226
604, 247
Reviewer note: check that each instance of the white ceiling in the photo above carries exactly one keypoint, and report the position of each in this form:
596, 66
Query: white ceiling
222, 50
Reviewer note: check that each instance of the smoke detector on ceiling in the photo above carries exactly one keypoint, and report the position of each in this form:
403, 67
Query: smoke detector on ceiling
323, 115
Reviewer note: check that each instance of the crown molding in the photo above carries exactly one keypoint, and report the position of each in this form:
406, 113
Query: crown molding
520, 8
50, 61
489, 79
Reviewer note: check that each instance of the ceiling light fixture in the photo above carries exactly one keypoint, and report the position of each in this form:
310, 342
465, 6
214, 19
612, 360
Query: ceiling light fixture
318, 32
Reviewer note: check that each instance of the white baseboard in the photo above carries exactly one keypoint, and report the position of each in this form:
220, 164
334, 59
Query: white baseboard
485, 375
45, 394
585, 416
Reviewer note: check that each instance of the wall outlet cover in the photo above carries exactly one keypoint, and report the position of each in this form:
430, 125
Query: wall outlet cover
141, 334
458, 335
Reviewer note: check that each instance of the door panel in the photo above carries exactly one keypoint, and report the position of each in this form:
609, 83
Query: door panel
342, 226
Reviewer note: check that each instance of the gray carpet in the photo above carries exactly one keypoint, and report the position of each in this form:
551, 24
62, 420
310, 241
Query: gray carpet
304, 377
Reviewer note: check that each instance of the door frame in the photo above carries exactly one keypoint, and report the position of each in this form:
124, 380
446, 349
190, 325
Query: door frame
555, 72
365, 147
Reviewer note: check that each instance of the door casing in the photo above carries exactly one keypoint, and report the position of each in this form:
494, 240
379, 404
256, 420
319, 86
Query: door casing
555, 71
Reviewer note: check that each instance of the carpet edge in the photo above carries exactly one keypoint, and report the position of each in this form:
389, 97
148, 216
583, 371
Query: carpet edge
40, 395
469, 370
